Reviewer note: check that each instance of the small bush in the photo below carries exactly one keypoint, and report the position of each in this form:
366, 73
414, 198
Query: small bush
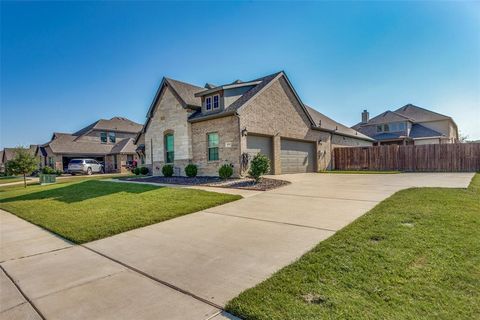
48, 170
225, 171
191, 170
136, 171
259, 166
167, 170
58, 172
144, 170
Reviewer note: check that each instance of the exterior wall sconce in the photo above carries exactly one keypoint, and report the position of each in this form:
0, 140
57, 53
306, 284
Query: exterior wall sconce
244, 132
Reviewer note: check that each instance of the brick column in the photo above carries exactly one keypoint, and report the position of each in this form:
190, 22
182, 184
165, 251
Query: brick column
276, 144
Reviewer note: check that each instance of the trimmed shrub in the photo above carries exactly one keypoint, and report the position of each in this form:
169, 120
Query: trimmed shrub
58, 172
144, 170
225, 171
167, 170
48, 170
191, 170
136, 171
259, 166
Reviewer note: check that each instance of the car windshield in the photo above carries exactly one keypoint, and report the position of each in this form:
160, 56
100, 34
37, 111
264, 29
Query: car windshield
76, 161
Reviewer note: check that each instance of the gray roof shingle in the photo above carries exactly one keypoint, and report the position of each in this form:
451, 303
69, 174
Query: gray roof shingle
419, 131
114, 124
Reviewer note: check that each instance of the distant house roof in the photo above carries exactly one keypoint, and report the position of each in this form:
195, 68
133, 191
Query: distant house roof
124, 146
418, 114
322, 121
9, 153
119, 124
64, 143
385, 117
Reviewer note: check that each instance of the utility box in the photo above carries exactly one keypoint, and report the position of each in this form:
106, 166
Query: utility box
47, 178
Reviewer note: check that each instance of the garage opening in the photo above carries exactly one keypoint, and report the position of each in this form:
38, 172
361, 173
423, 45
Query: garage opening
66, 160
260, 144
297, 156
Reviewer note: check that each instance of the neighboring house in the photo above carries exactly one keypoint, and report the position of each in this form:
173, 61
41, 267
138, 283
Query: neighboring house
228, 124
108, 141
409, 125
8, 154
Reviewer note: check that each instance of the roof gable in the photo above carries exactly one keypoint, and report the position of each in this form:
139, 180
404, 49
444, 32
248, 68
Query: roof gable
419, 114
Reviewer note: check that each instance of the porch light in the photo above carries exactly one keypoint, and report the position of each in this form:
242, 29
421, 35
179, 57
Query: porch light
244, 132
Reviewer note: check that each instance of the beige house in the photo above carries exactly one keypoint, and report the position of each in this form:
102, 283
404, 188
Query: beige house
108, 141
409, 125
8, 154
227, 124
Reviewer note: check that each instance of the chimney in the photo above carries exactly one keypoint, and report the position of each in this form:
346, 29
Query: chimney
365, 116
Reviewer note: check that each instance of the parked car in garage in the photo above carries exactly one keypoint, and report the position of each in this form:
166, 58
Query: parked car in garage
84, 166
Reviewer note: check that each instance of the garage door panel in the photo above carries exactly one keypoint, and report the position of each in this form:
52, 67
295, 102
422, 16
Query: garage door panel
297, 156
260, 144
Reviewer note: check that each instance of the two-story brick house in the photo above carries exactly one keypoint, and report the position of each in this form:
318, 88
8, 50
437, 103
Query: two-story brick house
408, 125
108, 141
213, 125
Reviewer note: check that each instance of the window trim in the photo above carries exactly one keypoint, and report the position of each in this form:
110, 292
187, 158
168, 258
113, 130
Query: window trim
208, 103
218, 102
216, 147
166, 152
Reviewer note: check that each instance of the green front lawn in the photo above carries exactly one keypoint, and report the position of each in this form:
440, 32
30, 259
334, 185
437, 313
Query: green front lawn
416, 255
88, 210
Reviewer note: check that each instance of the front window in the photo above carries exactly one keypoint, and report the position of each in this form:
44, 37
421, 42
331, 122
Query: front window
169, 148
103, 137
208, 103
111, 137
212, 146
379, 128
216, 100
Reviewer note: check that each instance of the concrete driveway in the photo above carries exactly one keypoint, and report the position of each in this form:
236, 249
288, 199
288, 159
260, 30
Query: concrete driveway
189, 267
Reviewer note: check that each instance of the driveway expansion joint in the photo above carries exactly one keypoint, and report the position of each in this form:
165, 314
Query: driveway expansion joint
37, 254
23, 294
165, 283
320, 197
271, 221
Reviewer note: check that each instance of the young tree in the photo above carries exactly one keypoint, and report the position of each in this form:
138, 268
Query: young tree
23, 163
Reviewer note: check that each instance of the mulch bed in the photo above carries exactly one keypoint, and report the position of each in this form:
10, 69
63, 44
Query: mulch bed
235, 183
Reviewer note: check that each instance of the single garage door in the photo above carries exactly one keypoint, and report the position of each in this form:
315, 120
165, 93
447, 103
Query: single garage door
297, 156
260, 144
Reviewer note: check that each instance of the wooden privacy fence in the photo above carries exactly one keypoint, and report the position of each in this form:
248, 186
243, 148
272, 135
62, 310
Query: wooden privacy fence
430, 157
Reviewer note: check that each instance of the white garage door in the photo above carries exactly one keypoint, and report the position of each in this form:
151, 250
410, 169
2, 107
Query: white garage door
260, 144
297, 156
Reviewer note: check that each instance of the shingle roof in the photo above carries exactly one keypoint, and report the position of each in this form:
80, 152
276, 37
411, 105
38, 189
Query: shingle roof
322, 121
264, 81
186, 91
419, 131
419, 114
124, 146
114, 124
9, 153
387, 116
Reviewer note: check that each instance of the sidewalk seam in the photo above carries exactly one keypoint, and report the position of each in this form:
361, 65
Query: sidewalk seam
23, 294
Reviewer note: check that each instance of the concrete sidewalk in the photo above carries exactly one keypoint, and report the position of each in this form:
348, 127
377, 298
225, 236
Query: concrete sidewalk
189, 267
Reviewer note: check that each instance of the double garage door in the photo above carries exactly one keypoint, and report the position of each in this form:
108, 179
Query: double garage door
295, 156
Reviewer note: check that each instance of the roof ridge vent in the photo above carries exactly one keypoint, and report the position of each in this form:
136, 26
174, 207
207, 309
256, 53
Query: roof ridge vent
238, 81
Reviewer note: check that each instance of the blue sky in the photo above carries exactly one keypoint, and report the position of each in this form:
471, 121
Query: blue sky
67, 64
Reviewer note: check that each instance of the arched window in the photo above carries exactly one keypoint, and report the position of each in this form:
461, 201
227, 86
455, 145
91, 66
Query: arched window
169, 148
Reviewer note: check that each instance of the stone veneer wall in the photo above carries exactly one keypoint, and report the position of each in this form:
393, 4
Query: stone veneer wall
229, 145
277, 113
169, 116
